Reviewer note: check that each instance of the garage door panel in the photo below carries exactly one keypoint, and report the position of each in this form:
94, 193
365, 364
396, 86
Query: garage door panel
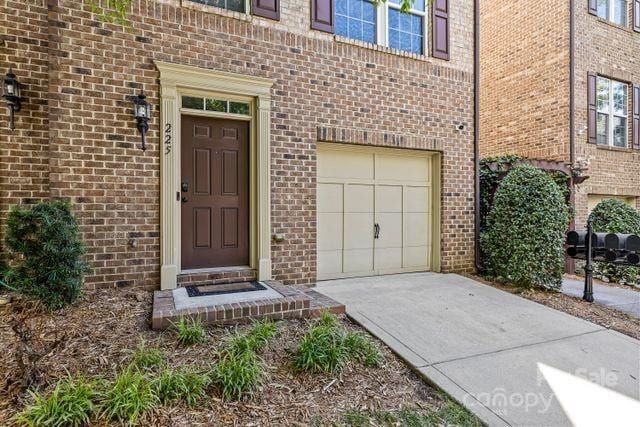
388, 258
358, 198
329, 263
417, 257
358, 261
416, 199
416, 231
358, 230
402, 168
388, 198
330, 198
331, 226
390, 230
345, 164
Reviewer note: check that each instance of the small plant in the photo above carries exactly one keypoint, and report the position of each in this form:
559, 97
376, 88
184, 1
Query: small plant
185, 384
362, 348
71, 403
451, 413
130, 395
237, 374
46, 253
147, 357
190, 331
255, 339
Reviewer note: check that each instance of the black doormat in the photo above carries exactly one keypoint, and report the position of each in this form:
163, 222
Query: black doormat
224, 288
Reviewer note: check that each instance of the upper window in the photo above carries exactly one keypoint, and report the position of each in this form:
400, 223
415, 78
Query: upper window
235, 5
612, 112
383, 24
218, 105
613, 10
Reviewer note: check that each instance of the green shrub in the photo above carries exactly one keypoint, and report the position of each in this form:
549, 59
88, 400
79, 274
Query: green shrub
363, 349
615, 216
525, 231
46, 253
128, 397
190, 331
237, 374
71, 403
147, 357
185, 384
253, 340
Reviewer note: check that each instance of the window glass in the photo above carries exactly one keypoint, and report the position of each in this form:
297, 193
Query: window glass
603, 129
216, 105
235, 5
405, 31
620, 132
603, 8
603, 94
619, 98
612, 105
192, 102
620, 12
239, 108
417, 4
356, 19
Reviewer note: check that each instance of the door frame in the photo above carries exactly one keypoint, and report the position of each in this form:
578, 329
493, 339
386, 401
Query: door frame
435, 158
176, 80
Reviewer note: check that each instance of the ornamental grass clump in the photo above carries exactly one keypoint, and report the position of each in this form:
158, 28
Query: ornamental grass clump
71, 403
128, 397
615, 216
45, 253
190, 331
524, 238
146, 358
186, 384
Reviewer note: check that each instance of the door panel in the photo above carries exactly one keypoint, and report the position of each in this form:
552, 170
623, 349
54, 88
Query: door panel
215, 197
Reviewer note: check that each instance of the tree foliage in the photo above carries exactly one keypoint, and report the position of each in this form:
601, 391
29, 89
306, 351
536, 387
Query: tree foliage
615, 216
45, 252
523, 241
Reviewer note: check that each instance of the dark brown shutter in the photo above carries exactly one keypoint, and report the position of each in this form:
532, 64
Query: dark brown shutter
440, 24
635, 122
322, 15
636, 15
593, 7
591, 99
266, 8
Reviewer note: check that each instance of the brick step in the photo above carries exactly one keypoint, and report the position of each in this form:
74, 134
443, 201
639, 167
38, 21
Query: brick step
217, 276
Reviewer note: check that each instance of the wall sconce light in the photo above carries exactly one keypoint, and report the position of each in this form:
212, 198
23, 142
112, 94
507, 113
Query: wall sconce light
142, 112
11, 93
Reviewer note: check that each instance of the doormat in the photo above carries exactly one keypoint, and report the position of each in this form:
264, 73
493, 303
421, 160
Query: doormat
225, 288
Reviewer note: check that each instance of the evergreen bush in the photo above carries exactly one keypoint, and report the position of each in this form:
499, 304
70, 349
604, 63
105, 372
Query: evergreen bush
524, 238
45, 253
615, 216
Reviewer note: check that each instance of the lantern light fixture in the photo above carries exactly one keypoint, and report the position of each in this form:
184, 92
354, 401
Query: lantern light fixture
142, 113
11, 93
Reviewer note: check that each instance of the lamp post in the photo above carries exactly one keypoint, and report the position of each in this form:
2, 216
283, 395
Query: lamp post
11, 93
142, 112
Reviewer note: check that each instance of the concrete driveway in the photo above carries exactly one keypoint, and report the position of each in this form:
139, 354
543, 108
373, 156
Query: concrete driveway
486, 347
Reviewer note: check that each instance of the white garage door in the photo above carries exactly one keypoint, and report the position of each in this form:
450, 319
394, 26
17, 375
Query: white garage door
375, 211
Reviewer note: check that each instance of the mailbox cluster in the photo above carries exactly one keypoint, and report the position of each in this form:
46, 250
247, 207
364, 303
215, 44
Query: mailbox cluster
609, 247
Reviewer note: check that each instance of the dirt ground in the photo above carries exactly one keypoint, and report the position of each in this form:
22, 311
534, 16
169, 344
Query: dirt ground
593, 312
96, 335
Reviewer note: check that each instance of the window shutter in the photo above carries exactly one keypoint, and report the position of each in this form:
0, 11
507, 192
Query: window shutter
636, 117
440, 24
266, 8
593, 7
591, 98
636, 15
322, 15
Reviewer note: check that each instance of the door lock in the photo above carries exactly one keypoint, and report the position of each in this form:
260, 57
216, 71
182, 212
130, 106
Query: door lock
185, 187
184, 199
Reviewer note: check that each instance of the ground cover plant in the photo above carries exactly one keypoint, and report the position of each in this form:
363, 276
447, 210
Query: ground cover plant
190, 331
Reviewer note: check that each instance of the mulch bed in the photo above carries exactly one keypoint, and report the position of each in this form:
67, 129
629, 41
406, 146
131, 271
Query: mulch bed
593, 312
96, 335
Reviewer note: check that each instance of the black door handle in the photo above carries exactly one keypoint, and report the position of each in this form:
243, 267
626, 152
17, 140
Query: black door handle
184, 199
376, 231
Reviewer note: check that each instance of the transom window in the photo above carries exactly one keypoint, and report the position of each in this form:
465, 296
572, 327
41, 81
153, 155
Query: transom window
612, 112
218, 105
383, 24
613, 10
235, 5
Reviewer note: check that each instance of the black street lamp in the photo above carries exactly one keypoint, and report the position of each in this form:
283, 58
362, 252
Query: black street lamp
142, 112
11, 93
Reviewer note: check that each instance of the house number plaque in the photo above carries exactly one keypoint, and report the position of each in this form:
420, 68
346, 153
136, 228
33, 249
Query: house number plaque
167, 138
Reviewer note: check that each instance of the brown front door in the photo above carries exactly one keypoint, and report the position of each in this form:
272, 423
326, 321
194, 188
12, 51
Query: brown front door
215, 192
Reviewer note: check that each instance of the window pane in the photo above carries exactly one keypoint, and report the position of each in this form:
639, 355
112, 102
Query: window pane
356, 19
602, 88
192, 102
239, 108
417, 4
405, 31
619, 98
603, 9
603, 129
216, 105
237, 5
620, 132
620, 12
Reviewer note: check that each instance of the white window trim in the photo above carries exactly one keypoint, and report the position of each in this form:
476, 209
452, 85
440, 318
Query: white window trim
613, 8
611, 113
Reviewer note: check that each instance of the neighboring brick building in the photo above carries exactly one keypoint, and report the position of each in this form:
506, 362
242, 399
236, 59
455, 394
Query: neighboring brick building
525, 91
273, 106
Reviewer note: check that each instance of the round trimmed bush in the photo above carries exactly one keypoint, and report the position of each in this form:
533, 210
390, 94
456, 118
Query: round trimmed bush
615, 216
524, 239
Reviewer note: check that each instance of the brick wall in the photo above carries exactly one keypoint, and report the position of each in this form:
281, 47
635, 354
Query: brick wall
610, 50
319, 82
524, 79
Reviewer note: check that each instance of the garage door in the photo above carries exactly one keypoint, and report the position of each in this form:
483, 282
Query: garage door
375, 211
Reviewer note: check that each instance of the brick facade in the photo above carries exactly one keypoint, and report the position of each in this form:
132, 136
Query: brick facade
525, 69
76, 138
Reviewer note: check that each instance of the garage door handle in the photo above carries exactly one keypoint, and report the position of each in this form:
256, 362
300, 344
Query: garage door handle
376, 231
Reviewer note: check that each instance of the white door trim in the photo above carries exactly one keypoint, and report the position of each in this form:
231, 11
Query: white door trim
175, 79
